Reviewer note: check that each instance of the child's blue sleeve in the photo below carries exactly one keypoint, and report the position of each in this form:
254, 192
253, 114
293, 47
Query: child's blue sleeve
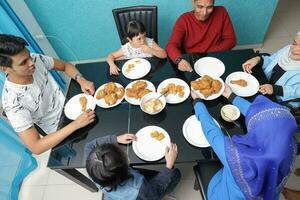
212, 132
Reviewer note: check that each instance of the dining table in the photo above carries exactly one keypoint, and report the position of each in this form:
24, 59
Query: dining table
68, 157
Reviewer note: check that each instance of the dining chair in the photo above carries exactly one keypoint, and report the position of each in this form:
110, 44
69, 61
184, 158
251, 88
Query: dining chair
16, 162
145, 14
204, 171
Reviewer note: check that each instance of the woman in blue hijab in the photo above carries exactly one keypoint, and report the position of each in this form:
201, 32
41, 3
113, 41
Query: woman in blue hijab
257, 164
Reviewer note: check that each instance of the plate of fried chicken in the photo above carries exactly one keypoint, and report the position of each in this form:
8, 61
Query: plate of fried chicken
109, 95
175, 90
208, 87
242, 84
79, 104
135, 90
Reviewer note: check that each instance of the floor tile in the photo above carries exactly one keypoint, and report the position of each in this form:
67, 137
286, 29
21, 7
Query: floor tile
32, 192
185, 191
74, 192
271, 45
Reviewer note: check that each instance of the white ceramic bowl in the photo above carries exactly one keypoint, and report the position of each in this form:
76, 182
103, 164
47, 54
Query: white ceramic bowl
145, 100
230, 113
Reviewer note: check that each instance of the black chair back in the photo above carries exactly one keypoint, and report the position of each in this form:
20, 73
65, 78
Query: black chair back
145, 14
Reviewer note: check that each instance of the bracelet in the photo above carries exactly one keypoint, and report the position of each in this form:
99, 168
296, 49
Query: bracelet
77, 76
177, 61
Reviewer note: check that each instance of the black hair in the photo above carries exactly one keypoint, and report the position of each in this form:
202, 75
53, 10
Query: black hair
10, 45
134, 28
107, 165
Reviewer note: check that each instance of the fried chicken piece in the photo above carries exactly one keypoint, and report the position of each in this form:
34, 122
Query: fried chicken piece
83, 103
143, 92
111, 99
240, 82
129, 68
139, 85
132, 93
120, 92
138, 61
100, 94
157, 135
216, 85
207, 92
110, 87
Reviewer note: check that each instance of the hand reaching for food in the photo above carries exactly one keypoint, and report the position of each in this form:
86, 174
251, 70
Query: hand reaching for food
126, 138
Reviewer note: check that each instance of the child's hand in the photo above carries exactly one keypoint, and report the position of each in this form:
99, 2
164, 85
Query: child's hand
146, 49
114, 70
249, 64
171, 155
266, 89
126, 138
227, 92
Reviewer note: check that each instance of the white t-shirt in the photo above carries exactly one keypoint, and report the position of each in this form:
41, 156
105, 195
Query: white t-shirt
130, 52
40, 102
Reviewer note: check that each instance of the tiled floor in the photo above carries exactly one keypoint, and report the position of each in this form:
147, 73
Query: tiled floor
44, 184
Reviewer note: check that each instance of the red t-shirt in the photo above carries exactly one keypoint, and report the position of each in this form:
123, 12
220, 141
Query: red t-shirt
194, 36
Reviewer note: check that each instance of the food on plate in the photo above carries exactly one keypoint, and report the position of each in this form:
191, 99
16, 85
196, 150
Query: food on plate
83, 103
153, 105
157, 135
138, 61
171, 88
111, 93
111, 99
129, 68
100, 94
240, 82
207, 86
138, 90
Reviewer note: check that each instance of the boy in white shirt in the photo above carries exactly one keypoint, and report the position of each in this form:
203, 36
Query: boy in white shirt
31, 96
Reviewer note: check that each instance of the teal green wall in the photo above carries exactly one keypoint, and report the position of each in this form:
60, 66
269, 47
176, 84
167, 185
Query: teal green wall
87, 26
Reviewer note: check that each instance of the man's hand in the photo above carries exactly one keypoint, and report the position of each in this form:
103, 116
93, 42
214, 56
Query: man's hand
266, 89
184, 65
86, 86
171, 155
84, 119
194, 95
249, 64
126, 138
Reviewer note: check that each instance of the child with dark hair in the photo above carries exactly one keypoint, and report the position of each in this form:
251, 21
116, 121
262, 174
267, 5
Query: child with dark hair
107, 165
138, 46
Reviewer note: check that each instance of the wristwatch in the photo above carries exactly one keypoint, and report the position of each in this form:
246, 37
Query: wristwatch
177, 61
77, 76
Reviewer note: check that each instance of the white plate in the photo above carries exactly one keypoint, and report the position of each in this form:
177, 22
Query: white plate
139, 70
193, 133
101, 102
252, 84
148, 148
135, 101
171, 98
209, 66
73, 108
214, 96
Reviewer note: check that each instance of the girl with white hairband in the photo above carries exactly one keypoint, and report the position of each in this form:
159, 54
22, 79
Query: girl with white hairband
282, 69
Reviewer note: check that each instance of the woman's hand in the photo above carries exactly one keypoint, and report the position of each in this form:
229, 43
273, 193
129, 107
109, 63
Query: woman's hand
266, 89
126, 138
194, 95
171, 155
227, 92
86, 86
114, 70
84, 119
249, 64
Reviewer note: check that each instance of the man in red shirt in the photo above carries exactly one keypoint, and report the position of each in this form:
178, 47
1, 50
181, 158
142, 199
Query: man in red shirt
205, 29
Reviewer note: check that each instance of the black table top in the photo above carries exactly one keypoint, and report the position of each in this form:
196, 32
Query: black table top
129, 118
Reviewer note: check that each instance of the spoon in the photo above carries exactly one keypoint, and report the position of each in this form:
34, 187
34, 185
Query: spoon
233, 121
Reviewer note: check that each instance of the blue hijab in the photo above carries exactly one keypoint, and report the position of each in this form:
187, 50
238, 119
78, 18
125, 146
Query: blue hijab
261, 160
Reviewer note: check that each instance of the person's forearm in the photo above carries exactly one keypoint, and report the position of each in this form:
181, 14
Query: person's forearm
158, 53
71, 70
110, 60
239, 102
53, 139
